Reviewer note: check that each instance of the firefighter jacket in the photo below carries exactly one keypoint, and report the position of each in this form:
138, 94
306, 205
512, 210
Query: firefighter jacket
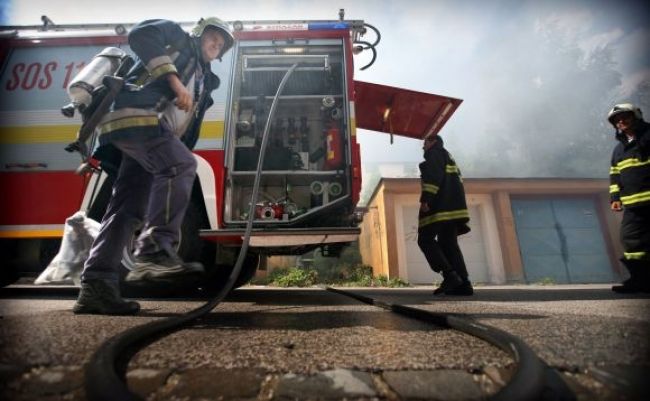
630, 169
162, 48
442, 190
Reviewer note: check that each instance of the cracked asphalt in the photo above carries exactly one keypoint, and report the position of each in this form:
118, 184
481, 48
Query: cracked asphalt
294, 344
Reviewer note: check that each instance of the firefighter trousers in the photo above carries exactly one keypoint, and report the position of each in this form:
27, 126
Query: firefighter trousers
152, 191
635, 237
439, 243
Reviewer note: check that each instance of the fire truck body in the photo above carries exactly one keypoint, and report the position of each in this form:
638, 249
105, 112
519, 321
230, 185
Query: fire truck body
311, 178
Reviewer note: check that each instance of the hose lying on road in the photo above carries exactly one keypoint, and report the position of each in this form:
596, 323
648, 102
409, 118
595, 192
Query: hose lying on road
106, 371
533, 380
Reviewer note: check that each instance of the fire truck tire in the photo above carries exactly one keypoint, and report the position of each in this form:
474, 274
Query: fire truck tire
217, 276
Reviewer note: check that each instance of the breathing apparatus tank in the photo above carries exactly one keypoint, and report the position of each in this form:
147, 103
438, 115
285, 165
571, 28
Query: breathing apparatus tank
107, 62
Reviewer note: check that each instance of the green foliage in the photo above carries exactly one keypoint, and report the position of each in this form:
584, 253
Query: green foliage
293, 277
546, 281
345, 270
347, 276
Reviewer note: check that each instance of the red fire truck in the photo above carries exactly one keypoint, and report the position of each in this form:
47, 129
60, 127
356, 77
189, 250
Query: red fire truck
311, 176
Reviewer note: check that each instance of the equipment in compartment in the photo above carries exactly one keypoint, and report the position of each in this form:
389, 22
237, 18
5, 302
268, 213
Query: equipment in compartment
324, 192
305, 135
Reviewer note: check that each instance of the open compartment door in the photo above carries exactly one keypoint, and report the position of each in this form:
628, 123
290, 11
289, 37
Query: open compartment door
401, 112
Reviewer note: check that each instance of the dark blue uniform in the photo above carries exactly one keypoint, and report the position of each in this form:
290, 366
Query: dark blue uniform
157, 169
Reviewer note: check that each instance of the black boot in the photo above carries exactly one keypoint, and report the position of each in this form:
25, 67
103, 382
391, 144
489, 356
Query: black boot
631, 286
637, 281
450, 282
102, 297
464, 289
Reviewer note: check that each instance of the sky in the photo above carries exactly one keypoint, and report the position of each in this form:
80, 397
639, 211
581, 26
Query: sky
536, 77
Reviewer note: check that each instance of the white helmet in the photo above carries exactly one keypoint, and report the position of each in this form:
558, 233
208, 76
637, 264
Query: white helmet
624, 108
219, 25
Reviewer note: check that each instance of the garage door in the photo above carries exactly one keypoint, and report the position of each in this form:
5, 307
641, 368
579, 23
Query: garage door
561, 240
471, 244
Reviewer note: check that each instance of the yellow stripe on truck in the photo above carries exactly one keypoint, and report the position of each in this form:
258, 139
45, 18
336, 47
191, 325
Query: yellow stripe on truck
68, 133
32, 234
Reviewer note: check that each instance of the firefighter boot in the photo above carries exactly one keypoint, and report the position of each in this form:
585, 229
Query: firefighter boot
102, 297
465, 289
636, 281
451, 281
162, 267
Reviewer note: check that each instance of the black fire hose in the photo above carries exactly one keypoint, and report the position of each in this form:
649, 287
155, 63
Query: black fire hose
106, 370
533, 380
369, 46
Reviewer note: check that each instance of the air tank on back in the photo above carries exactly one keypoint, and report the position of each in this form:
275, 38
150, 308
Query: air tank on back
90, 77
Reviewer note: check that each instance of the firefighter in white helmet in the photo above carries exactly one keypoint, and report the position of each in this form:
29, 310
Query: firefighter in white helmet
153, 125
630, 192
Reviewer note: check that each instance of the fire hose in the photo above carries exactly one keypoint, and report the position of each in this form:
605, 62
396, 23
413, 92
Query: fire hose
106, 370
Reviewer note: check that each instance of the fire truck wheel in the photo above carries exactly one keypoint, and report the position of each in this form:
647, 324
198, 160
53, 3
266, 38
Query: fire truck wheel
217, 276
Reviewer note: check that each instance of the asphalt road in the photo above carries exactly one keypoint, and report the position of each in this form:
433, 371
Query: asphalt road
269, 344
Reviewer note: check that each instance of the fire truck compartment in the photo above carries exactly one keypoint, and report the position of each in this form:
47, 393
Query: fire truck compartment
306, 165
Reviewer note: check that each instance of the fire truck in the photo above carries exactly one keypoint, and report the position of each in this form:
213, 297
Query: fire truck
311, 177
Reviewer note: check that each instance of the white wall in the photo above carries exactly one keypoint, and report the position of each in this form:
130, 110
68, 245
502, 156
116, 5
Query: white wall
480, 247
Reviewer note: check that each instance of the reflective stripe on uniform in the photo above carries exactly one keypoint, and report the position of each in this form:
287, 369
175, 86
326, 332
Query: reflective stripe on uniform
444, 216
157, 62
128, 122
614, 170
636, 198
162, 70
633, 162
451, 169
127, 118
614, 188
635, 255
430, 188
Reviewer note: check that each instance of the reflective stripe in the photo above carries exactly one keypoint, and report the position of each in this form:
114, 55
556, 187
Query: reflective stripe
636, 198
614, 188
127, 112
635, 255
430, 188
451, 169
162, 70
128, 122
444, 216
633, 162
157, 62
614, 170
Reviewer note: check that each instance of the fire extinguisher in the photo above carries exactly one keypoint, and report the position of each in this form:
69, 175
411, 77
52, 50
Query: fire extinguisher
334, 156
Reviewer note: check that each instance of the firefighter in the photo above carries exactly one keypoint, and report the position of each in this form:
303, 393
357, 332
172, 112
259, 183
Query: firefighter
630, 192
157, 113
443, 217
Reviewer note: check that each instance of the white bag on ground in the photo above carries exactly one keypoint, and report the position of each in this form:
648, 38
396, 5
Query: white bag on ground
78, 236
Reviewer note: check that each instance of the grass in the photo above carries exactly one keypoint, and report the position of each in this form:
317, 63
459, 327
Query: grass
346, 276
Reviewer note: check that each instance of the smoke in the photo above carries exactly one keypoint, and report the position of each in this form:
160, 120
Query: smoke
537, 79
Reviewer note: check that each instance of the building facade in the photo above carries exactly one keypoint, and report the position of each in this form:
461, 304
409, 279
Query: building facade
523, 231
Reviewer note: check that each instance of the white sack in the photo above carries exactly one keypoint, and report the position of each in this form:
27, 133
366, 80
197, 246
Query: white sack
78, 236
